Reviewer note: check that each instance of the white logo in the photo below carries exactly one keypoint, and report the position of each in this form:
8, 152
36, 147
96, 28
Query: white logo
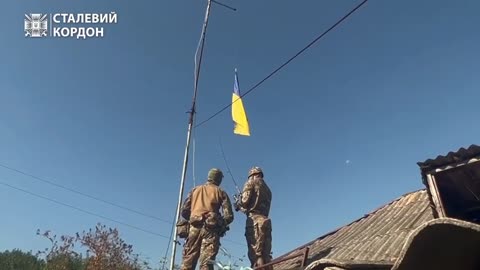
36, 25
67, 25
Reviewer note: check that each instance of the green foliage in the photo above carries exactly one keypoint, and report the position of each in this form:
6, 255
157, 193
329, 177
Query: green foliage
65, 262
17, 259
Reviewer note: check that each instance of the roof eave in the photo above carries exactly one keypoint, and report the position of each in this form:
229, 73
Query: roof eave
322, 263
452, 160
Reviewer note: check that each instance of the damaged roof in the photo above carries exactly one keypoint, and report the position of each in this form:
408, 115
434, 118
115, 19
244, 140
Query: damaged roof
375, 239
452, 158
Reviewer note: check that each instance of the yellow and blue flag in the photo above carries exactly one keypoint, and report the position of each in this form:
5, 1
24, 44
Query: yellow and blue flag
239, 115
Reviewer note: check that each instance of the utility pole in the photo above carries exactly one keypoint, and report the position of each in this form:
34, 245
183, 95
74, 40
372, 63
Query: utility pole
198, 62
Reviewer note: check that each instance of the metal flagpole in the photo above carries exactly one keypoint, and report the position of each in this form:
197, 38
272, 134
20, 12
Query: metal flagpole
198, 61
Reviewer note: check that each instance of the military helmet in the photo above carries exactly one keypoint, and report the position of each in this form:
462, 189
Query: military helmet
255, 170
215, 175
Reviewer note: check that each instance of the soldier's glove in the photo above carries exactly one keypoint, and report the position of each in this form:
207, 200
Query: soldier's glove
237, 198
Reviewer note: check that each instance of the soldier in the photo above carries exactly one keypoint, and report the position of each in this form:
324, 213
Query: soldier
255, 202
206, 225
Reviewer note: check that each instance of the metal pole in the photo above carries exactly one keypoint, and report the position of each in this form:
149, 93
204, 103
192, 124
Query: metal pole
189, 132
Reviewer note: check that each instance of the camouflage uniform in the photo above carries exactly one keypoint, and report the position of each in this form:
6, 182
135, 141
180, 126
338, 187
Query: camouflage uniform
255, 203
207, 226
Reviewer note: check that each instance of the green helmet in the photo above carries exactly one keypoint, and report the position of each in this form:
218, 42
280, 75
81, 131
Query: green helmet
255, 170
215, 175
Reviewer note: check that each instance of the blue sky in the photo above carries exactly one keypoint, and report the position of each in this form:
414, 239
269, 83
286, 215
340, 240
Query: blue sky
395, 84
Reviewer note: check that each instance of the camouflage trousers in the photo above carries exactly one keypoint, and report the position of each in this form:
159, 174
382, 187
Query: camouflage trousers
258, 233
201, 244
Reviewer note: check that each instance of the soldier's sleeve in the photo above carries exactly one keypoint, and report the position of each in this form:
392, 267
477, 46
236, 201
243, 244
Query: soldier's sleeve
227, 208
246, 196
187, 206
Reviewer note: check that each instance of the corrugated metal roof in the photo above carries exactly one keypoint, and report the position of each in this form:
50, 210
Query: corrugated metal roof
376, 238
441, 244
462, 155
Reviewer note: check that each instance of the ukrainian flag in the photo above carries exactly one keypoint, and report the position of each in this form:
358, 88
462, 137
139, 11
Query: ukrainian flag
239, 115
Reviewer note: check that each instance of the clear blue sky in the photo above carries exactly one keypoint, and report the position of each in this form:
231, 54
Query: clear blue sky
395, 84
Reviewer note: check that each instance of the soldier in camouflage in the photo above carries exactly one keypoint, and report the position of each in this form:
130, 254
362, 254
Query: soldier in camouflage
255, 202
202, 210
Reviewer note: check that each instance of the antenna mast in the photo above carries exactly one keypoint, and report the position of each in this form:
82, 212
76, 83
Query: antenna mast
198, 61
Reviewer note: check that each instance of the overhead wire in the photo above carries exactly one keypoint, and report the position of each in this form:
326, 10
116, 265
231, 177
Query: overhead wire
286, 63
94, 214
84, 194
168, 247
201, 123
82, 210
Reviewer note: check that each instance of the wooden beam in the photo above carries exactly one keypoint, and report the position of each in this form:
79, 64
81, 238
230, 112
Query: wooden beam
305, 256
432, 186
304, 253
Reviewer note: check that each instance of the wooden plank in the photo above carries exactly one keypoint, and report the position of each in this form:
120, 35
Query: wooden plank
305, 256
305, 253
432, 186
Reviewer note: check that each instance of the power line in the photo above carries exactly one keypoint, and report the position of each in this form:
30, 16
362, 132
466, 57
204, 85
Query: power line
223, 5
84, 194
168, 248
88, 196
82, 210
286, 63
234, 242
94, 214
